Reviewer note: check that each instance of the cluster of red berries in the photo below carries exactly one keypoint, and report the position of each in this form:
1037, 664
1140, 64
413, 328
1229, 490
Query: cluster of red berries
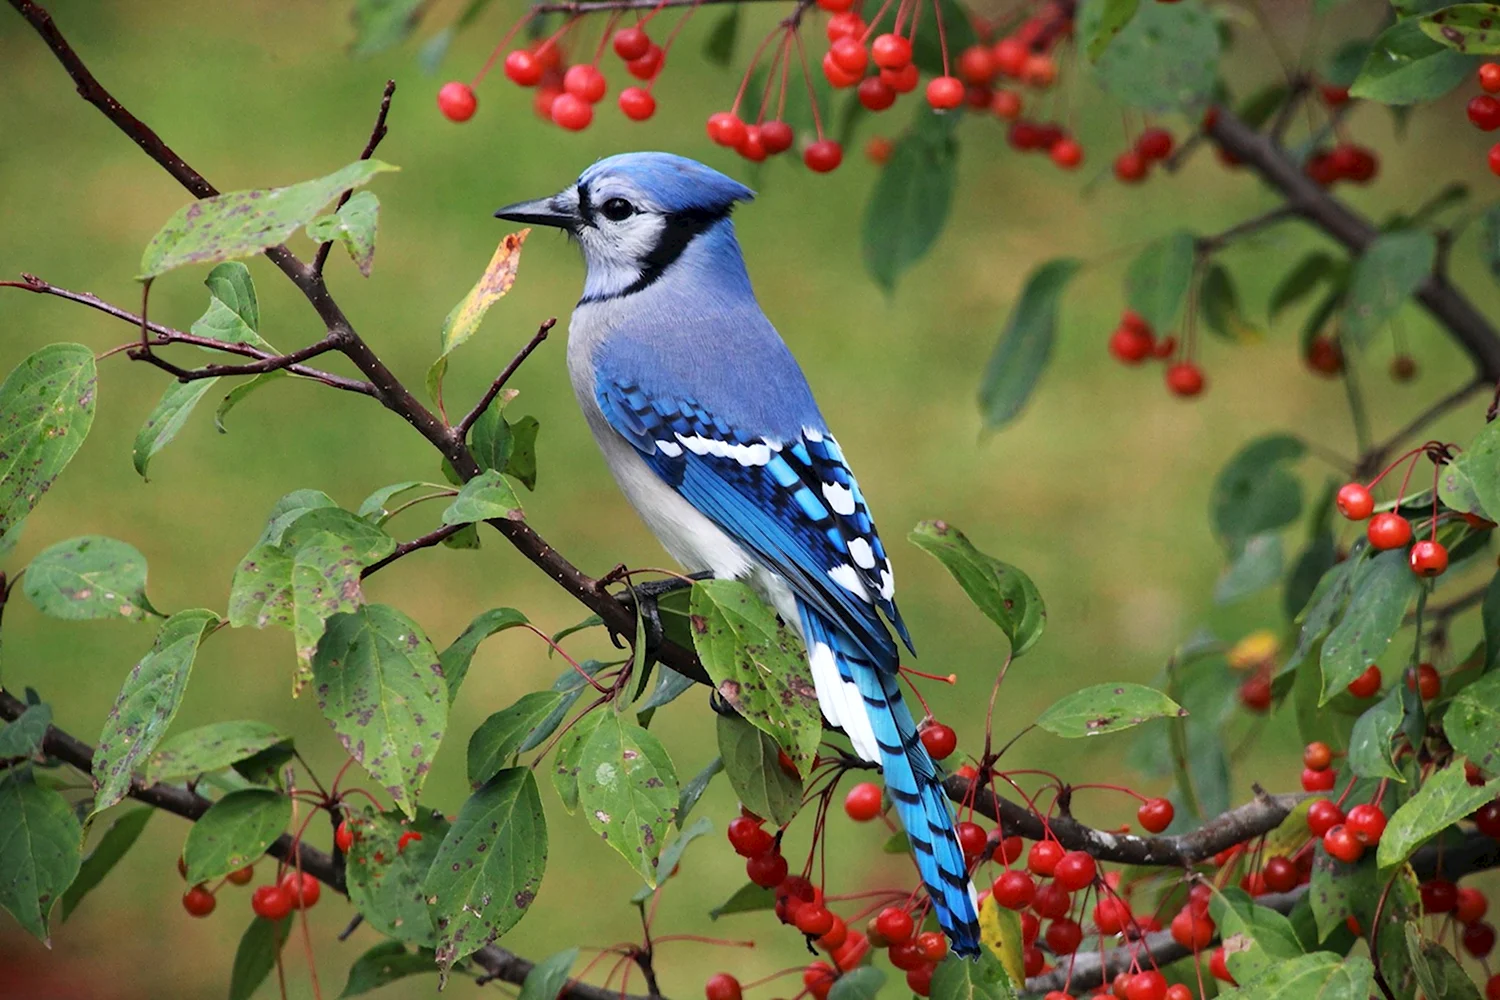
1484, 110
1390, 530
1133, 341
1152, 146
293, 891
1344, 162
200, 900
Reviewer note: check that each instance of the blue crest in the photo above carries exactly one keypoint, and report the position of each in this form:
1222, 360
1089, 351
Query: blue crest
676, 183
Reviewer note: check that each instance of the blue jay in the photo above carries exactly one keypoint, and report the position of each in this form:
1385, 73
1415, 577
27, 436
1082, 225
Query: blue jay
713, 435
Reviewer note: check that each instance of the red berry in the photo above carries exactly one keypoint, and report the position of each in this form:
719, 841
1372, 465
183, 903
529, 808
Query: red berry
823, 156
836, 936
1130, 167
1155, 815
835, 6
572, 112
1150, 985
776, 137
1487, 819
271, 902
945, 93
906, 955
1494, 159
1355, 502
522, 67
814, 919
301, 888
1033, 961
894, 924
241, 876
1318, 781
1323, 816
1052, 901
846, 24
919, 980
722, 986
1470, 906
854, 950
1006, 104
1280, 875
647, 66
766, 870
1340, 844
1112, 915
1064, 936
585, 82
1429, 557
748, 837
1154, 144
1427, 682
819, 978
1484, 112
343, 837
1192, 930
1334, 96
890, 51
1389, 530
406, 838
1010, 849
878, 149
1362, 165
850, 55
837, 75
637, 103
935, 946
1129, 345
1178, 991
940, 740
903, 80
198, 901
1317, 756
1030, 928
1014, 889
971, 840
1218, 967
631, 43
1439, 896
1185, 379
1479, 939
726, 129
875, 94
1255, 693
1039, 70
1489, 77
1044, 856
1066, 153
1324, 356
1367, 684
1074, 870
752, 149
457, 101
543, 101
862, 804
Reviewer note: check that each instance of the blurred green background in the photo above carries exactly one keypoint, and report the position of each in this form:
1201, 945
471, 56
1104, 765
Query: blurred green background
1099, 491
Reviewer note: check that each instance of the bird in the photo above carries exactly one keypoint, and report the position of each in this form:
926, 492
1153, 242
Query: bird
711, 431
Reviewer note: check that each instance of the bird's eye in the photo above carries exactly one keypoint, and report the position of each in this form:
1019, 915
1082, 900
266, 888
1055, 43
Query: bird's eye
617, 209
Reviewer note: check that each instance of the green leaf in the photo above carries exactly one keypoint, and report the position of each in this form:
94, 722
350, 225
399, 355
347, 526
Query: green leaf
1025, 345
1220, 305
500, 737
354, 227
384, 964
522, 464
1370, 751
567, 763
92, 577
758, 666
693, 790
256, 955
1489, 240
241, 223
1472, 722
672, 856
235, 396
1468, 28
1303, 279
1106, 708
233, 312
1257, 566
984, 978
39, 851
210, 748
380, 685
463, 321
1164, 59
1111, 19
23, 736
1383, 587
1319, 976
1157, 281
487, 495
118, 839
325, 581
912, 198
670, 685
387, 879
147, 704
489, 867
234, 832
1480, 462
1267, 935
752, 762
1323, 608
261, 592
627, 789
1405, 67
1384, 277
1255, 492
547, 978
718, 48
374, 507
1438, 972
383, 24
748, 898
289, 509
1004, 593
46, 409
862, 983
457, 657
1444, 798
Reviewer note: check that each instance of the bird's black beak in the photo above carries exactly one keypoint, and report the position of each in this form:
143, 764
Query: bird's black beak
541, 212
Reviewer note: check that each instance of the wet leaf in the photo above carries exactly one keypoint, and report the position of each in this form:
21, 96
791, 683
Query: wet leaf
39, 852
46, 409
92, 577
1106, 708
1407, 67
1383, 587
234, 832
1004, 593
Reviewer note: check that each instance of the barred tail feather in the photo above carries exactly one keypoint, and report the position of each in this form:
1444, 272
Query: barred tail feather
867, 703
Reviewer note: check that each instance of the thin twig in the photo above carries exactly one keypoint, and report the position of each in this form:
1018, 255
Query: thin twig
461, 429
1376, 458
426, 541
1210, 244
376, 134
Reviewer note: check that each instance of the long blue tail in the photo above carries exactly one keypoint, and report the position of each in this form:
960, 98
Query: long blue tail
866, 702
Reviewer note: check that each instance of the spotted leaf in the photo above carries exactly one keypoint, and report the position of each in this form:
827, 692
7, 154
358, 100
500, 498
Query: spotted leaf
627, 789
88, 577
46, 410
1107, 708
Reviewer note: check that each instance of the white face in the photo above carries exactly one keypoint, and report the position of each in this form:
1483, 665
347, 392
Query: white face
620, 232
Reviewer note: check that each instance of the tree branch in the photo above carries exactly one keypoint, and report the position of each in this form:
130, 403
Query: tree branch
376, 134
1375, 459
497, 962
461, 429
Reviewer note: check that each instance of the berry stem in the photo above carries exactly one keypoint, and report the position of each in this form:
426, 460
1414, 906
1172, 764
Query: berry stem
499, 50
812, 97
937, 12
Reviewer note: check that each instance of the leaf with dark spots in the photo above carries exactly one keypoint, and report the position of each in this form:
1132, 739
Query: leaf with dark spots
40, 850
627, 788
386, 878
234, 832
210, 748
91, 577
1004, 593
752, 762
373, 683
46, 410
496, 851
1107, 708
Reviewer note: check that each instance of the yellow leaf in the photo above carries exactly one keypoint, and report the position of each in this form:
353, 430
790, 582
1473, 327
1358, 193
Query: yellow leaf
465, 318
1000, 931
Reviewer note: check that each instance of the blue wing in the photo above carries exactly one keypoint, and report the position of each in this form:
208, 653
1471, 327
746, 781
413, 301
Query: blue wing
793, 503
